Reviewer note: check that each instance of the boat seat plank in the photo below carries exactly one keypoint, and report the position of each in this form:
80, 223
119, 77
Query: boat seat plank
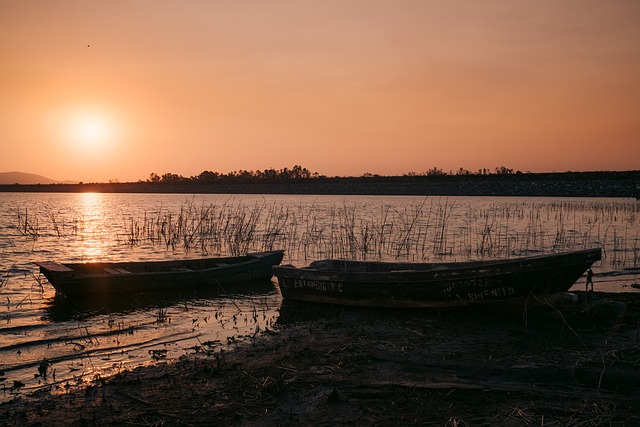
54, 266
117, 270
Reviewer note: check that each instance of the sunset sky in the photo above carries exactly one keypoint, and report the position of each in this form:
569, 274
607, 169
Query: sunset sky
116, 90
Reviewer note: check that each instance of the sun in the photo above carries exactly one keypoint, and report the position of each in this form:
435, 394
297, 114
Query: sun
91, 131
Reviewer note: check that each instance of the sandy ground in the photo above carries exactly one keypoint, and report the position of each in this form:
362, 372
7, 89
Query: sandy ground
575, 364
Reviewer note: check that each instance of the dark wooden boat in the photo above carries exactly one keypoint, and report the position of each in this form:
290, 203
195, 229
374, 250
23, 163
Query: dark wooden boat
77, 279
383, 284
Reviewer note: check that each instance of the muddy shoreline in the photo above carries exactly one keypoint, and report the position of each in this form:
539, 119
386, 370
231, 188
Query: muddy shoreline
329, 365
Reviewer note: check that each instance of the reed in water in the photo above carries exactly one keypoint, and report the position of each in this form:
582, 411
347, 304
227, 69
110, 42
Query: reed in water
431, 229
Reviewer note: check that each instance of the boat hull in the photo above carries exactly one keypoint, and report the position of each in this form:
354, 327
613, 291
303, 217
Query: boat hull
80, 279
531, 279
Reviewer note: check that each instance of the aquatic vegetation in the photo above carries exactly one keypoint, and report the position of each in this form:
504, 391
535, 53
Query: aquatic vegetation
422, 230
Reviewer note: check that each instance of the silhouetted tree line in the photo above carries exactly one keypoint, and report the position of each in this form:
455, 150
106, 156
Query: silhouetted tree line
297, 172
502, 170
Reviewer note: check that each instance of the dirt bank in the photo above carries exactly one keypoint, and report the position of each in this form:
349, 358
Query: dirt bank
332, 365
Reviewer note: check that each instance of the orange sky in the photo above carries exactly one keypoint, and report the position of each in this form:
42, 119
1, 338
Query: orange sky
339, 87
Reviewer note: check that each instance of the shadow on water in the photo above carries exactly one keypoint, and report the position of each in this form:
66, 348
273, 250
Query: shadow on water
63, 309
292, 312
299, 312
592, 310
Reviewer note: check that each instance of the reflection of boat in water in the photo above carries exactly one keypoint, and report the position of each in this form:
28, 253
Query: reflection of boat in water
87, 306
76, 279
390, 284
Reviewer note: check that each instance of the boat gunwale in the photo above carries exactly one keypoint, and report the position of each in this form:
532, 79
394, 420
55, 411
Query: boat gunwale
508, 266
82, 269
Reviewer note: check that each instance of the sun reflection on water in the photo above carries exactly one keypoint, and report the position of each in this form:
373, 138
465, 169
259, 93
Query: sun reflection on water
94, 245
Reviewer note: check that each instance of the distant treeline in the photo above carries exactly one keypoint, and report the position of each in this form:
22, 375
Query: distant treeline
298, 180
298, 172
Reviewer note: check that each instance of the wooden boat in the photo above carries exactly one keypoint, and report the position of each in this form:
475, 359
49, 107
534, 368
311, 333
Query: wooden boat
77, 279
383, 284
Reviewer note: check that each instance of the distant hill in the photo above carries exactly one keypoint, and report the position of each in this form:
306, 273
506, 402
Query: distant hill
24, 178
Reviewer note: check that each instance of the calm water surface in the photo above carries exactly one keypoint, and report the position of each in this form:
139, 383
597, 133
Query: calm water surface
86, 342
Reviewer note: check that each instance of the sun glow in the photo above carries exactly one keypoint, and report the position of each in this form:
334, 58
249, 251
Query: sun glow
88, 138
91, 131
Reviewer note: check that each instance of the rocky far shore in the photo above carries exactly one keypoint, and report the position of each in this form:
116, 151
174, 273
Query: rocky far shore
568, 184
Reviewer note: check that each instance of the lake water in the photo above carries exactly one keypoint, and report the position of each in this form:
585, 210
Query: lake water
84, 343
